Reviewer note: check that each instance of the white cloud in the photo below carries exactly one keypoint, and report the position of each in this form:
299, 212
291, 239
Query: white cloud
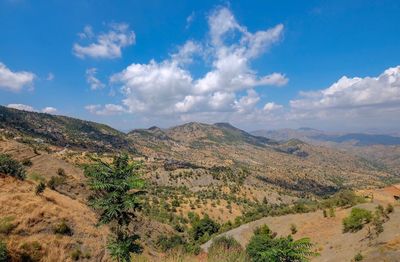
107, 45
106, 110
354, 93
21, 107
15, 81
49, 110
94, 82
368, 102
271, 106
169, 88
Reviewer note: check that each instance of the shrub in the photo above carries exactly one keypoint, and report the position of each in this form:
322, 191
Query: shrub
263, 247
226, 249
61, 172
11, 167
6, 225
224, 242
27, 162
331, 212
293, 229
31, 251
205, 226
389, 208
358, 257
76, 254
324, 213
63, 229
358, 217
40, 188
166, 243
54, 182
4, 254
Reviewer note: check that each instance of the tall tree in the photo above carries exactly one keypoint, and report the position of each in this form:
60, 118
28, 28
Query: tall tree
116, 188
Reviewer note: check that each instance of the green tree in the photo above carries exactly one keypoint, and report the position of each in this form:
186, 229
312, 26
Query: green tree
204, 226
117, 187
358, 217
265, 247
11, 167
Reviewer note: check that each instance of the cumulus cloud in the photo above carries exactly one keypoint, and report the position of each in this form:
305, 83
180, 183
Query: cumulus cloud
106, 110
92, 80
354, 93
48, 109
106, 45
271, 106
15, 81
21, 107
357, 101
168, 87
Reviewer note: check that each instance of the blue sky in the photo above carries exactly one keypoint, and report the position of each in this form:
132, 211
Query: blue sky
257, 64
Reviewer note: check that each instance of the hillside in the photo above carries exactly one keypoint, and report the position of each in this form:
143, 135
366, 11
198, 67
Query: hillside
62, 131
195, 169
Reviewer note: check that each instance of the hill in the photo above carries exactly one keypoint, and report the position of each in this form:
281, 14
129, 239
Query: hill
62, 131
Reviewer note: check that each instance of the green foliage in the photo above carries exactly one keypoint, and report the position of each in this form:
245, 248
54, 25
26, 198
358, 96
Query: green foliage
358, 257
224, 242
27, 162
355, 222
122, 245
265, 247
166, 243
117, 188
4, 254
40, 188
36, 177
226, 249
6, 225
204, 227
76, 254
344, 198
63, 228
55, 181
11, 167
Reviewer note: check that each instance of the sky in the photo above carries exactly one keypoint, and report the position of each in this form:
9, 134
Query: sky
331, 65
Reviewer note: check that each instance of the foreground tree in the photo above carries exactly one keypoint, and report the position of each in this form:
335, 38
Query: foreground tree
264, 246
11, 167
116, 189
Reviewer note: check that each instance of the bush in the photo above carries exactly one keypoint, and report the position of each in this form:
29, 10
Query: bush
358, 257
358, 217
63, 229
31, 251
166, 243
11, 167
40, 188
27, 162
6, 225
293, 229
61, 172
263, 247
226, 249
389, 209
4, 254
54, 182
205, 226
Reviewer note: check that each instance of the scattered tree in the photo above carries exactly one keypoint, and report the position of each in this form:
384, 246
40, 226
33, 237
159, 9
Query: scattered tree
117, 187
11, 167
358, 217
